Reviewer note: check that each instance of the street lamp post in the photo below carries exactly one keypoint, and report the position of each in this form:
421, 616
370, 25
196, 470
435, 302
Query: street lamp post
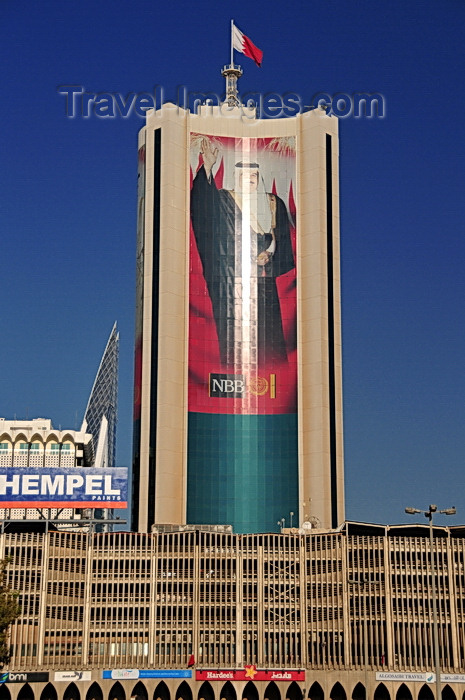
429, 514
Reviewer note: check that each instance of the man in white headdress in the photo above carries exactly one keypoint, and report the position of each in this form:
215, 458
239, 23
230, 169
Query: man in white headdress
244, 243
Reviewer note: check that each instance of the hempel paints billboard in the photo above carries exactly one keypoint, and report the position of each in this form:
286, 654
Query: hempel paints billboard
67, 487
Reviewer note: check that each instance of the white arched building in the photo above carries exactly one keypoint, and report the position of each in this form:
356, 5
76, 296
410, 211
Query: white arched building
36, 444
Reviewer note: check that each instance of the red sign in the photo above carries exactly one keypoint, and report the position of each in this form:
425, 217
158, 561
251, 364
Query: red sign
249, 673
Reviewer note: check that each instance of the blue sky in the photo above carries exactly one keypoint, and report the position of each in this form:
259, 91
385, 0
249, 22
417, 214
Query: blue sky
68, 211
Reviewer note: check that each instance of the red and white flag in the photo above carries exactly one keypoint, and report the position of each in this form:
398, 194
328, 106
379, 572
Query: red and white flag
242, 43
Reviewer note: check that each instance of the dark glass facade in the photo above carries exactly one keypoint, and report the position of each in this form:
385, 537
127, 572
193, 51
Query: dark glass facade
241, 470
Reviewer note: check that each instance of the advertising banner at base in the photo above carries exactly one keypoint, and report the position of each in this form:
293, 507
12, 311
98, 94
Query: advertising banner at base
399, 676
24, 677
133, 673
74, 676
249, 673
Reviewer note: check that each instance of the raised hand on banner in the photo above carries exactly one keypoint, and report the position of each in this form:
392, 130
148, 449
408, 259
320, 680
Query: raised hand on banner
209, 155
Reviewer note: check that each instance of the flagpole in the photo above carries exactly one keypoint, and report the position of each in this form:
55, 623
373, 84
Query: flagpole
232, 50
231, 73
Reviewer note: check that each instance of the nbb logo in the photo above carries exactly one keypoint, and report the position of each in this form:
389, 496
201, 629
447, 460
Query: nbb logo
231, 386
234, 386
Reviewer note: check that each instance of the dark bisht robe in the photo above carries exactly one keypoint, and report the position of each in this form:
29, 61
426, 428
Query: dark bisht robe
217, 224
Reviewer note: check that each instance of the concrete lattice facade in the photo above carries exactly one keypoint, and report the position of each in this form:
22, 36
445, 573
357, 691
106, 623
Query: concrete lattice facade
343, 606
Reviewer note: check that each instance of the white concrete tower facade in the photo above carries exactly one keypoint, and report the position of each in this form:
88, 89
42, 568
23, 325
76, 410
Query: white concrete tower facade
238, 378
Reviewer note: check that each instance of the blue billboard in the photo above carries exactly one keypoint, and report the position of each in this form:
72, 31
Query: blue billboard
132, 673
63, 487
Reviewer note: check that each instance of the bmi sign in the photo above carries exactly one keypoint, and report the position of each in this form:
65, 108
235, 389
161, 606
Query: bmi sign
249, 673
63, 487
20, 677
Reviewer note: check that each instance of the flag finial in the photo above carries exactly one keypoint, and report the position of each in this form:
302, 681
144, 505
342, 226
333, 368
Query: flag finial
232, 73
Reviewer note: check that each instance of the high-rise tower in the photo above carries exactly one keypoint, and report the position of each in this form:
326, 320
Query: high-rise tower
34, 443
101, 412
238, 400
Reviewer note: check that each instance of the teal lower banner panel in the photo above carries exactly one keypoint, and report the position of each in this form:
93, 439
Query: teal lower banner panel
242, 471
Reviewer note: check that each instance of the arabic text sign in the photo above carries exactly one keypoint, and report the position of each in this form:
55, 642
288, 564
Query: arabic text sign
452, 678
64, 487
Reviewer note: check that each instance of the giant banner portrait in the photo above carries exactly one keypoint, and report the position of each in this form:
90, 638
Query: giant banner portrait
242, 322
242, 402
